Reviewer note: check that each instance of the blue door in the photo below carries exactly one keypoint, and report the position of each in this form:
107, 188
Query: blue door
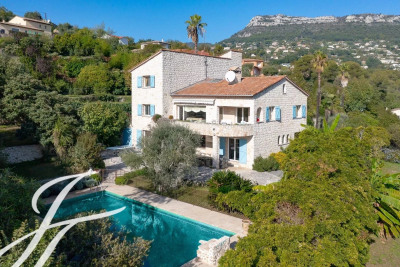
127, 137
222, 146
243, 151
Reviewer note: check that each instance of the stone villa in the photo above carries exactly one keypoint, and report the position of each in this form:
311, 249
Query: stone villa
25, 25
238, 120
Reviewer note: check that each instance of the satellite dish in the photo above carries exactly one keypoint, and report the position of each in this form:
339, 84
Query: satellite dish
230, 76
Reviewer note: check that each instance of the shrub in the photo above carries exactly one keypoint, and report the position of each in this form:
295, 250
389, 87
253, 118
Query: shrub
86, 153
89, 182
121, 180
96, 177
227, 181
156, 117
265, 164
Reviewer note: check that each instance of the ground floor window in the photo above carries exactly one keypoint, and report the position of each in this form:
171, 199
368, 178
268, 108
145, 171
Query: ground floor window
234, 151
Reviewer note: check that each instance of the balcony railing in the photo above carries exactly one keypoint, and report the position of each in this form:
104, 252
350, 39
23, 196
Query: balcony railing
226, 130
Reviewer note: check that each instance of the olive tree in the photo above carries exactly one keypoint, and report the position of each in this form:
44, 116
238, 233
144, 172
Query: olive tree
168, 153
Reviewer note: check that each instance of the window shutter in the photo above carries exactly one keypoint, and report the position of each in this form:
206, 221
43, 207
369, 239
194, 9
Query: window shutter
294, 112
243, 151
303, 111
139, 110
152, 81
139, 81
267, 114
152, 110
278, 114
138, 137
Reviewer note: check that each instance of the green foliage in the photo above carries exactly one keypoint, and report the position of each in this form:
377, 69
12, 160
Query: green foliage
94, 79
104, 120
96, 177
218, 50
128, 177
360, 96
168, 154
15, 198
86, 153
270, 70
299, 223
5, 14
74, 67
33, 15
265, 164
227, 181
246, 70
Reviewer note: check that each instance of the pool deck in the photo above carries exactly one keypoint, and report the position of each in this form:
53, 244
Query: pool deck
193, 212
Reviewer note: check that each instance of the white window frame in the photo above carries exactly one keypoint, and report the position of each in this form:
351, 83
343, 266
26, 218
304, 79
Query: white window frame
284, 89
298, 112
146, 81
243, 117
272, 113
146, 107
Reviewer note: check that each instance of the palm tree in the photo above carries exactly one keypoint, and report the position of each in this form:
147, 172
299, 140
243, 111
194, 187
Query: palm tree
344, 79
319, 62
194, 27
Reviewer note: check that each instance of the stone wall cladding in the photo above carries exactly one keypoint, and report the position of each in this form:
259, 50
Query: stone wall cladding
211, 251
266, 133
173, 71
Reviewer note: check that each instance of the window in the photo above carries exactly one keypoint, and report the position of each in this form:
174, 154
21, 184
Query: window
40, 26
234, 149
203, 141
287, 139
259, 115
2, 31
146, 110
297, 112
283, 139
45, 26
193, 113
279, 139
271, 113
146, 81
14, 30
284, 89
242, 115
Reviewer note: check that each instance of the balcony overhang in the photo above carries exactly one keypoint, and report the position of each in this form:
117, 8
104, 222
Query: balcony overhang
208, 102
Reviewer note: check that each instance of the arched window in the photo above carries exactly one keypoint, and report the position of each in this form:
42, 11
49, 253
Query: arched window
287, 139
259, 115
283, 140
279, 140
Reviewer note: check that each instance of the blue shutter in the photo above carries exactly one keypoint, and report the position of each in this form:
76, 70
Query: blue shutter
294, 112
152, 81
138, 137
243, 151
277, 113
222, 146
303, 111
267, 114
152, 110
139, 110
139, 82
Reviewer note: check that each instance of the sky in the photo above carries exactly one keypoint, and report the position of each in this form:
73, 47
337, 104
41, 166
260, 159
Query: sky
154, 19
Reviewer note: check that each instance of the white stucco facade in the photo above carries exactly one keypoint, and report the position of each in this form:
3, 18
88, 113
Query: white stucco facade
25, 25
225, 135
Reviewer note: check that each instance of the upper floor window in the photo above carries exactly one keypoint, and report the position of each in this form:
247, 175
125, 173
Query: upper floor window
259, 115
40, 25
284, 89
45, 26
2, 31
299, 111
146, 110
146, 81
273, 113
242, 115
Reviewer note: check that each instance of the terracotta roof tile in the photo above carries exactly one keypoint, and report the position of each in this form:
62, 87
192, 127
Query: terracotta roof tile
249, 86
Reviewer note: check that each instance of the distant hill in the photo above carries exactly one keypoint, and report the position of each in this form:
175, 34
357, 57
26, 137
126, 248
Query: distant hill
326, 28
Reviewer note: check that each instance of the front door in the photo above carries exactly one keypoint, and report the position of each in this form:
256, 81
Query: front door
234, 149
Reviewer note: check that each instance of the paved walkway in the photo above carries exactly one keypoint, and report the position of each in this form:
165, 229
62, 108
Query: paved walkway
260, 178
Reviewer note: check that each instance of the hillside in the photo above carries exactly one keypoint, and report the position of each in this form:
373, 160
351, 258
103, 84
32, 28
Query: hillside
303, 33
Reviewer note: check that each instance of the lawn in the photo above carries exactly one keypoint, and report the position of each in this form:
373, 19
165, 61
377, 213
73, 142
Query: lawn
39, 169
390, 168
8, 137
385, 253
195, 195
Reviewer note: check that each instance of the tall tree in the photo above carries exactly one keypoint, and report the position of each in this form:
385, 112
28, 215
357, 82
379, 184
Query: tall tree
194, 28
344, 79
5, 14
33, 15
319, 63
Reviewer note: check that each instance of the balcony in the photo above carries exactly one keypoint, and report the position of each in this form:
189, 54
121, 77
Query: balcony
225, 130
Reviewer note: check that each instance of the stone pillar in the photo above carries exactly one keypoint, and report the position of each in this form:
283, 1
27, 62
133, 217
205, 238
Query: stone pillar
215, 154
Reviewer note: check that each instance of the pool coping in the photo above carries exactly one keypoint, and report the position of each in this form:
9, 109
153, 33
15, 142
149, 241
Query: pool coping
226, 223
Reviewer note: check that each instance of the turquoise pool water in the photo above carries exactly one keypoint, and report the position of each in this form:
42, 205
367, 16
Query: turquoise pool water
175, 238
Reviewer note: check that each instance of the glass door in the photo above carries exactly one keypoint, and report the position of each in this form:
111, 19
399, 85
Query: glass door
234, 149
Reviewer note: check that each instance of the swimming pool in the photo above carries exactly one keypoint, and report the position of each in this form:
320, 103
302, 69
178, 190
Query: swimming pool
175, 238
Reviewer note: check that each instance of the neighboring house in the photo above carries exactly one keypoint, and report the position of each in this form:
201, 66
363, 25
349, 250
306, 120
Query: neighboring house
396, 111
163, 44
250, 117
258, 64
122, 39
25, 25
